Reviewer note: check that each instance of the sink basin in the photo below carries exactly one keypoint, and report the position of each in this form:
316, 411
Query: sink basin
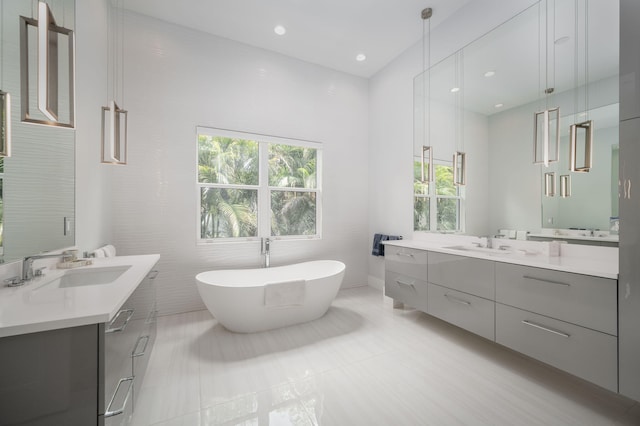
87, 277
476, 249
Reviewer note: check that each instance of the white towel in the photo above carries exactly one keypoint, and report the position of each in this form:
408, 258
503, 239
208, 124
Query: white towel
521, 235
109, 250
98, 253
283, 294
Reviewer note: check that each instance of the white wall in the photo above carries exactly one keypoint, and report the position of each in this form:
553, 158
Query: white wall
93, 207
391, 119
177, 79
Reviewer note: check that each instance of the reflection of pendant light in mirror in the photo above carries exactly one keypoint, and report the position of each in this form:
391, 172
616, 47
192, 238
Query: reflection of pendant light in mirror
459, 157
565, 186
5, 98
114, 118
427, 149
581, 132
546, 123
550, 184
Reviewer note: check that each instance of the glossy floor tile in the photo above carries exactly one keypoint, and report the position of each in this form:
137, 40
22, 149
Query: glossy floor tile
363, 363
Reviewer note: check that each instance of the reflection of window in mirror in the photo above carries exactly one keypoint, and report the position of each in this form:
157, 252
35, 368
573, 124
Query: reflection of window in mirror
437, 206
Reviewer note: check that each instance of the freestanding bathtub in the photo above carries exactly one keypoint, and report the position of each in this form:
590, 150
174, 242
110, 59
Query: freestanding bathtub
250, 300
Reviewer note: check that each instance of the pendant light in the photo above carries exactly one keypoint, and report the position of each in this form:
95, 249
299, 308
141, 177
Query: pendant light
581, 132
5, 98
546, 122
427, 149
114, 118
54, 60
459, 156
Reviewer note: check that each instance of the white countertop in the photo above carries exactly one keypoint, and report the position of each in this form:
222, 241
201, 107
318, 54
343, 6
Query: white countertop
604, 238
35, 307
599, 266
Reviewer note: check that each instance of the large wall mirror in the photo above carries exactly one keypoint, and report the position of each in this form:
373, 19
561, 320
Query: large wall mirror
504, 77
37, 182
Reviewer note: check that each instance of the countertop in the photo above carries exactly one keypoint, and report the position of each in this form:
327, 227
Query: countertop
37, 307
597, 265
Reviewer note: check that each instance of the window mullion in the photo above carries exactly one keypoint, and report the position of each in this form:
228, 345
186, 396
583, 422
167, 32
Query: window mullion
264, 196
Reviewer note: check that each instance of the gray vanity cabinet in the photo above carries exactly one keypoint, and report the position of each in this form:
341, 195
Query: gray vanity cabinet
127, 343
461, 291
406, 276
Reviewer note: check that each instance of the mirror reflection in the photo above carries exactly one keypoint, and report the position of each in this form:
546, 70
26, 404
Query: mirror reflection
37, 182
506, 77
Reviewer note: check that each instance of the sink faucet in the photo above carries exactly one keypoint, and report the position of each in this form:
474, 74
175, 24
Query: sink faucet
27, 263
265, 250
488, 241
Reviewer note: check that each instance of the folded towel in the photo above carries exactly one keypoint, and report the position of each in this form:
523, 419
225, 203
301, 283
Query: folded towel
521, 235
378, 247
109, 250
283, 294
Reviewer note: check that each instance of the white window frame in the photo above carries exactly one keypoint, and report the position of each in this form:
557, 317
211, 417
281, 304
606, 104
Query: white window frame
433, 204
264, 190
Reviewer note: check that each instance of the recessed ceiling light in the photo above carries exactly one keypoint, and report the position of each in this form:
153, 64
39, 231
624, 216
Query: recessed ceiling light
498, 105
280, 30
455, 89
489, 73
361, 57
562, 40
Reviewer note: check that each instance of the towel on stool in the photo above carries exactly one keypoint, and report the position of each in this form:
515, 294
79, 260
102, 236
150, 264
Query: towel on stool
283, 294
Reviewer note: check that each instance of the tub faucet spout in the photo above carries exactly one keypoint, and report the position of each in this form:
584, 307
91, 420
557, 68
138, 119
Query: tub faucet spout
265, 250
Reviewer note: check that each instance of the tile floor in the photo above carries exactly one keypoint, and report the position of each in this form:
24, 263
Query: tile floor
363, 363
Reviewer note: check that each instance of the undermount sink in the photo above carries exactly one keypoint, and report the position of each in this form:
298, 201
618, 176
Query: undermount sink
477, 249
87, 277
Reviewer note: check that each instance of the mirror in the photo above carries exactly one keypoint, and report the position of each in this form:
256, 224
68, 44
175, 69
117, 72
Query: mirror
37, 183
505, 75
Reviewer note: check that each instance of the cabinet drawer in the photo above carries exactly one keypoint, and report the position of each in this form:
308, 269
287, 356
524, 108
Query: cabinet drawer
405, 289
580, 351
464, 310
466, 274
579, 299
406, 261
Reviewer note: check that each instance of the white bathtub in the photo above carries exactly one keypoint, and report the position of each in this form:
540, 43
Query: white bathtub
242, 299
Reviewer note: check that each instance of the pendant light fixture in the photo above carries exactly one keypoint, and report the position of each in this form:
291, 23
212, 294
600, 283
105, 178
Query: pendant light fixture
459, 156
546, 123
427, 149
55, 60
5, 98
114, 118
581, 132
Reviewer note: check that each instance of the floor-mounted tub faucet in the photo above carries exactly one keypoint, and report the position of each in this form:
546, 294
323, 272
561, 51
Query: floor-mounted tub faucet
265, 250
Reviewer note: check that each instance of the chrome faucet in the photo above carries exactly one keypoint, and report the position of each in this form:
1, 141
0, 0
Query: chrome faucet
487, 243
27, 263
265, 250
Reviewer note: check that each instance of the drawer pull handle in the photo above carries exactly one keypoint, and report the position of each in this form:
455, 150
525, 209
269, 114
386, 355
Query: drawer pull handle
144, 348
404, 254
129, 313
404, 283
550, 330
152, 274
455, 299
526, 277
110, 412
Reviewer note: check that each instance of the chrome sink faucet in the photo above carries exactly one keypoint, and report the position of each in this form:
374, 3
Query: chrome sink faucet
27, 263
265, 250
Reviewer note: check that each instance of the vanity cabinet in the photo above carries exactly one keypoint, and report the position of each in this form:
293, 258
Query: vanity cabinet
406, 276
461, 291
83, 375
126, 344
580, 351
564, 319
578, 299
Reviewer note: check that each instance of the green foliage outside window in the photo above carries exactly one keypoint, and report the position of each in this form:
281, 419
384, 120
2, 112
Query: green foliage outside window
446, 196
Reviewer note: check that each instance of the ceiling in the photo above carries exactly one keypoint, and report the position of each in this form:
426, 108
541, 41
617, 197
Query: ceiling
329, 33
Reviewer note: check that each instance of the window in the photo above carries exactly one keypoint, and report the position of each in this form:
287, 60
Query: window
436, 206
253, 185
